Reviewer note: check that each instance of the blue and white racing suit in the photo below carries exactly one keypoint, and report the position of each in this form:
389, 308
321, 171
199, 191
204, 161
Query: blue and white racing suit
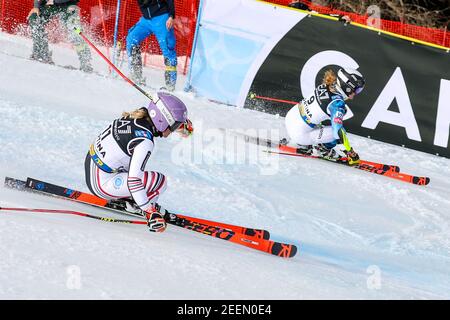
306, 122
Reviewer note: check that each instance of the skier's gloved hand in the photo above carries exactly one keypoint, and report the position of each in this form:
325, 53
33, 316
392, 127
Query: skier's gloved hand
186, 129
156, 222
352, 157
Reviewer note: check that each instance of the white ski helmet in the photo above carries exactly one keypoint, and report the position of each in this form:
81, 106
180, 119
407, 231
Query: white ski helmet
349, 81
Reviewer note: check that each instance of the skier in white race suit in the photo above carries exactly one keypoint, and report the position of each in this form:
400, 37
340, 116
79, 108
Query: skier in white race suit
115, 166
306, 122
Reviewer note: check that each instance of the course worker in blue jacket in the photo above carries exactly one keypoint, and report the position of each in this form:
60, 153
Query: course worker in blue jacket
157, 18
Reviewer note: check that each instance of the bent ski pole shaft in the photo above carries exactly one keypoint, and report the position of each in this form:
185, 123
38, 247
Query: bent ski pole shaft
77, 213
78, 30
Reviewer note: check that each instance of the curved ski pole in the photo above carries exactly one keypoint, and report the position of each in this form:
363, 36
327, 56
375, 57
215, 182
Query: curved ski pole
255, 96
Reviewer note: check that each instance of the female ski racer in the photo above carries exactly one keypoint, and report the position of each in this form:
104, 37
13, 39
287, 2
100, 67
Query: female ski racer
306, 122
115, 166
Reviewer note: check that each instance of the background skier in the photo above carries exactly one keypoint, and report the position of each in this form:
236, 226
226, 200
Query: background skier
157, 18
115, 166
306, 121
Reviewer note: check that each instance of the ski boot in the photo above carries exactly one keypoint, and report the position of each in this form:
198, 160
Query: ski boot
85, 62
136, 66
85, 58
352, 157
126, 205
170, 74
305, 149
45, 57
321, 150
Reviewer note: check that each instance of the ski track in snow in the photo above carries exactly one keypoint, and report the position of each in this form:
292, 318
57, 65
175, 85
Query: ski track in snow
345, 222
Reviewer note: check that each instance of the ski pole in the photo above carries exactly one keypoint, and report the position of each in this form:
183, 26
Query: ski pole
77, 213
254, 96
78, 30
116, 29
104, 27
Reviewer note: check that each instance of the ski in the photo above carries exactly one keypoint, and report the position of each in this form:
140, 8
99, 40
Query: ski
386, 170
87, 198
296, 151
272, 247
375, 165
252, 238
417, 180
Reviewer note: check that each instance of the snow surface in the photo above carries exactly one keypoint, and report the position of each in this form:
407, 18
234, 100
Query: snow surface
360, 236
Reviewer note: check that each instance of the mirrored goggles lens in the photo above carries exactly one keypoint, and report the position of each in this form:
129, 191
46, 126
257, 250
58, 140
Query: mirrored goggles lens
175, 126
358, 90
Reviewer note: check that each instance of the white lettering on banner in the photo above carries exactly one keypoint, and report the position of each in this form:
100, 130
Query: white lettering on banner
319, 61
394, 89
443, 115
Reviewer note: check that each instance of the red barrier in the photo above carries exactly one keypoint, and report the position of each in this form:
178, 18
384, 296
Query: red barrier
436, 36
99, 18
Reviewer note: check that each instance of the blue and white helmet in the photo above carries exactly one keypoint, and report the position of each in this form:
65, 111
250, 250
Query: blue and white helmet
349, 81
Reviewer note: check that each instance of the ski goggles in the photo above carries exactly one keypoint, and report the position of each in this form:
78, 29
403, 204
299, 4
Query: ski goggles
186, 129
359, 89
359, 86
175, 126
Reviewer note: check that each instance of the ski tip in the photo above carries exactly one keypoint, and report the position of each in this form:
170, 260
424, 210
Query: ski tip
14, 183
283, 250
421, 181
293, 251
9, 179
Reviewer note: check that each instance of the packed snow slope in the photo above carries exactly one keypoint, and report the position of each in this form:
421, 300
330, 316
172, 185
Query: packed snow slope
359, 235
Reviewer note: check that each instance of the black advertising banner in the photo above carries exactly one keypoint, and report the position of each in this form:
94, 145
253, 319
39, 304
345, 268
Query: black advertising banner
406, 100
